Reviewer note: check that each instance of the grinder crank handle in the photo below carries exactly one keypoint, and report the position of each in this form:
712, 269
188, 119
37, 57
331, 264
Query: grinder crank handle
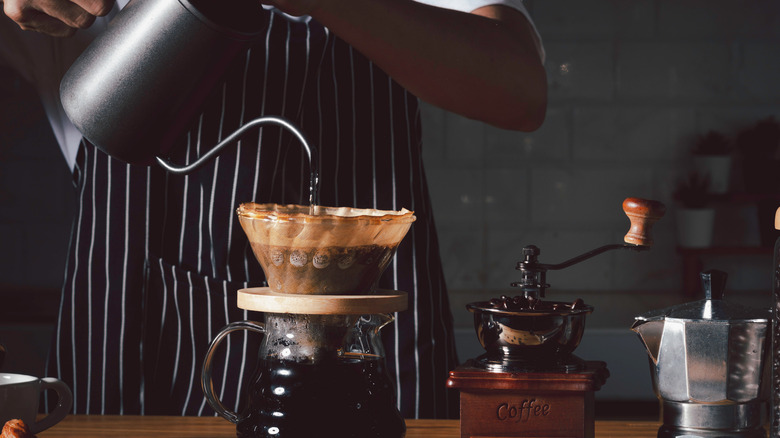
643, 214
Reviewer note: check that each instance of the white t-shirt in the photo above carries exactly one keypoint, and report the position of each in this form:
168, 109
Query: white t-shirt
43, 60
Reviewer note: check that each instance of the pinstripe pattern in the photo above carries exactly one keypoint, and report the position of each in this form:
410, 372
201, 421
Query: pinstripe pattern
156, 259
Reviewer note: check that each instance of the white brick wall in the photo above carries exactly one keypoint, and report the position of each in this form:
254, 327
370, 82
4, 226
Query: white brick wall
630, 83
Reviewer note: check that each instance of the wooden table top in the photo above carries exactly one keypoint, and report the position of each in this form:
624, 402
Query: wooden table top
87, 426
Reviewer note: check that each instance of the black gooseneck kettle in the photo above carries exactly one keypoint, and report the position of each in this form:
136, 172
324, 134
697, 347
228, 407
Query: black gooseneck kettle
138, 86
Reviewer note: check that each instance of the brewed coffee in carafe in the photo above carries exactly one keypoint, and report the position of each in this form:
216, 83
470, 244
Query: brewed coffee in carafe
333, 392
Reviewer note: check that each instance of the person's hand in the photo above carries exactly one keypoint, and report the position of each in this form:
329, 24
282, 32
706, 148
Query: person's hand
55, 17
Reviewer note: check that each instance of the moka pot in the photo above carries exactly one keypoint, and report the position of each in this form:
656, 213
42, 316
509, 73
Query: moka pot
708, 365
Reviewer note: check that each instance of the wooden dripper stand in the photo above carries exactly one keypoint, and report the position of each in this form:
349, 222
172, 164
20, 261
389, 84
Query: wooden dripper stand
528, 383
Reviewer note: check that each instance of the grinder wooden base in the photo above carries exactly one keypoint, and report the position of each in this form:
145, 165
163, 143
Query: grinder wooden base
538, 404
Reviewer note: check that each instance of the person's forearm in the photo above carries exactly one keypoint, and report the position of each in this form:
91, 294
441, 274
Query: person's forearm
475, 66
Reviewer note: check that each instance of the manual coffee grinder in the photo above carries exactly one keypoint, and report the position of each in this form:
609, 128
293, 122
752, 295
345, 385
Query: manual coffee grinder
321, 368
528, 383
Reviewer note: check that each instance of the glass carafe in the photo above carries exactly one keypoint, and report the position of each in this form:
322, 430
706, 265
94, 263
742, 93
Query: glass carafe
317, 375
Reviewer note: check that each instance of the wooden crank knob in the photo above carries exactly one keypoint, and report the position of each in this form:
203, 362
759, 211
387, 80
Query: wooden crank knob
642, 213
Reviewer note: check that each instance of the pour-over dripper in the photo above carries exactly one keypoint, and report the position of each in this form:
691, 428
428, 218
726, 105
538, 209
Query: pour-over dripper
323, 250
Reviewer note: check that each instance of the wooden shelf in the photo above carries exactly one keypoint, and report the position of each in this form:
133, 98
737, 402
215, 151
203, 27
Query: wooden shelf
744, 198
766, 203
724, 250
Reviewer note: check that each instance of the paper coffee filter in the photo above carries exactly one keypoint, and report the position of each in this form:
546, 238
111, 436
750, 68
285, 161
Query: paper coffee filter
329, 250
293, 226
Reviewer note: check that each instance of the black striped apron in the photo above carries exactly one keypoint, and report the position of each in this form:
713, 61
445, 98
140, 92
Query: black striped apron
155, 259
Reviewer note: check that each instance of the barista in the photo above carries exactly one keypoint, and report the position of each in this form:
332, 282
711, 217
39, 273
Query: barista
155, 259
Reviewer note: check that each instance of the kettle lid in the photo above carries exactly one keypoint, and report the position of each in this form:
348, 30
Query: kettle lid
713, 307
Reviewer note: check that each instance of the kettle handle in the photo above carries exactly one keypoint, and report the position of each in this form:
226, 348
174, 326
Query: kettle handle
206, 383
311, 152
643, 214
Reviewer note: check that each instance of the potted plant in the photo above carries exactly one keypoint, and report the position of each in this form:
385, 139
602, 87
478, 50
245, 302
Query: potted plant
695, 214
759, 146
712, 157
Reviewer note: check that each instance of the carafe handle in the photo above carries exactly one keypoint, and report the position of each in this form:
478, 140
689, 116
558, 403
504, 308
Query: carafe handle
206, 383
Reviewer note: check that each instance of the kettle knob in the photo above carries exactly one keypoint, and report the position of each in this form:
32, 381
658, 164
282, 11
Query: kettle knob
642, 213
714, 283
